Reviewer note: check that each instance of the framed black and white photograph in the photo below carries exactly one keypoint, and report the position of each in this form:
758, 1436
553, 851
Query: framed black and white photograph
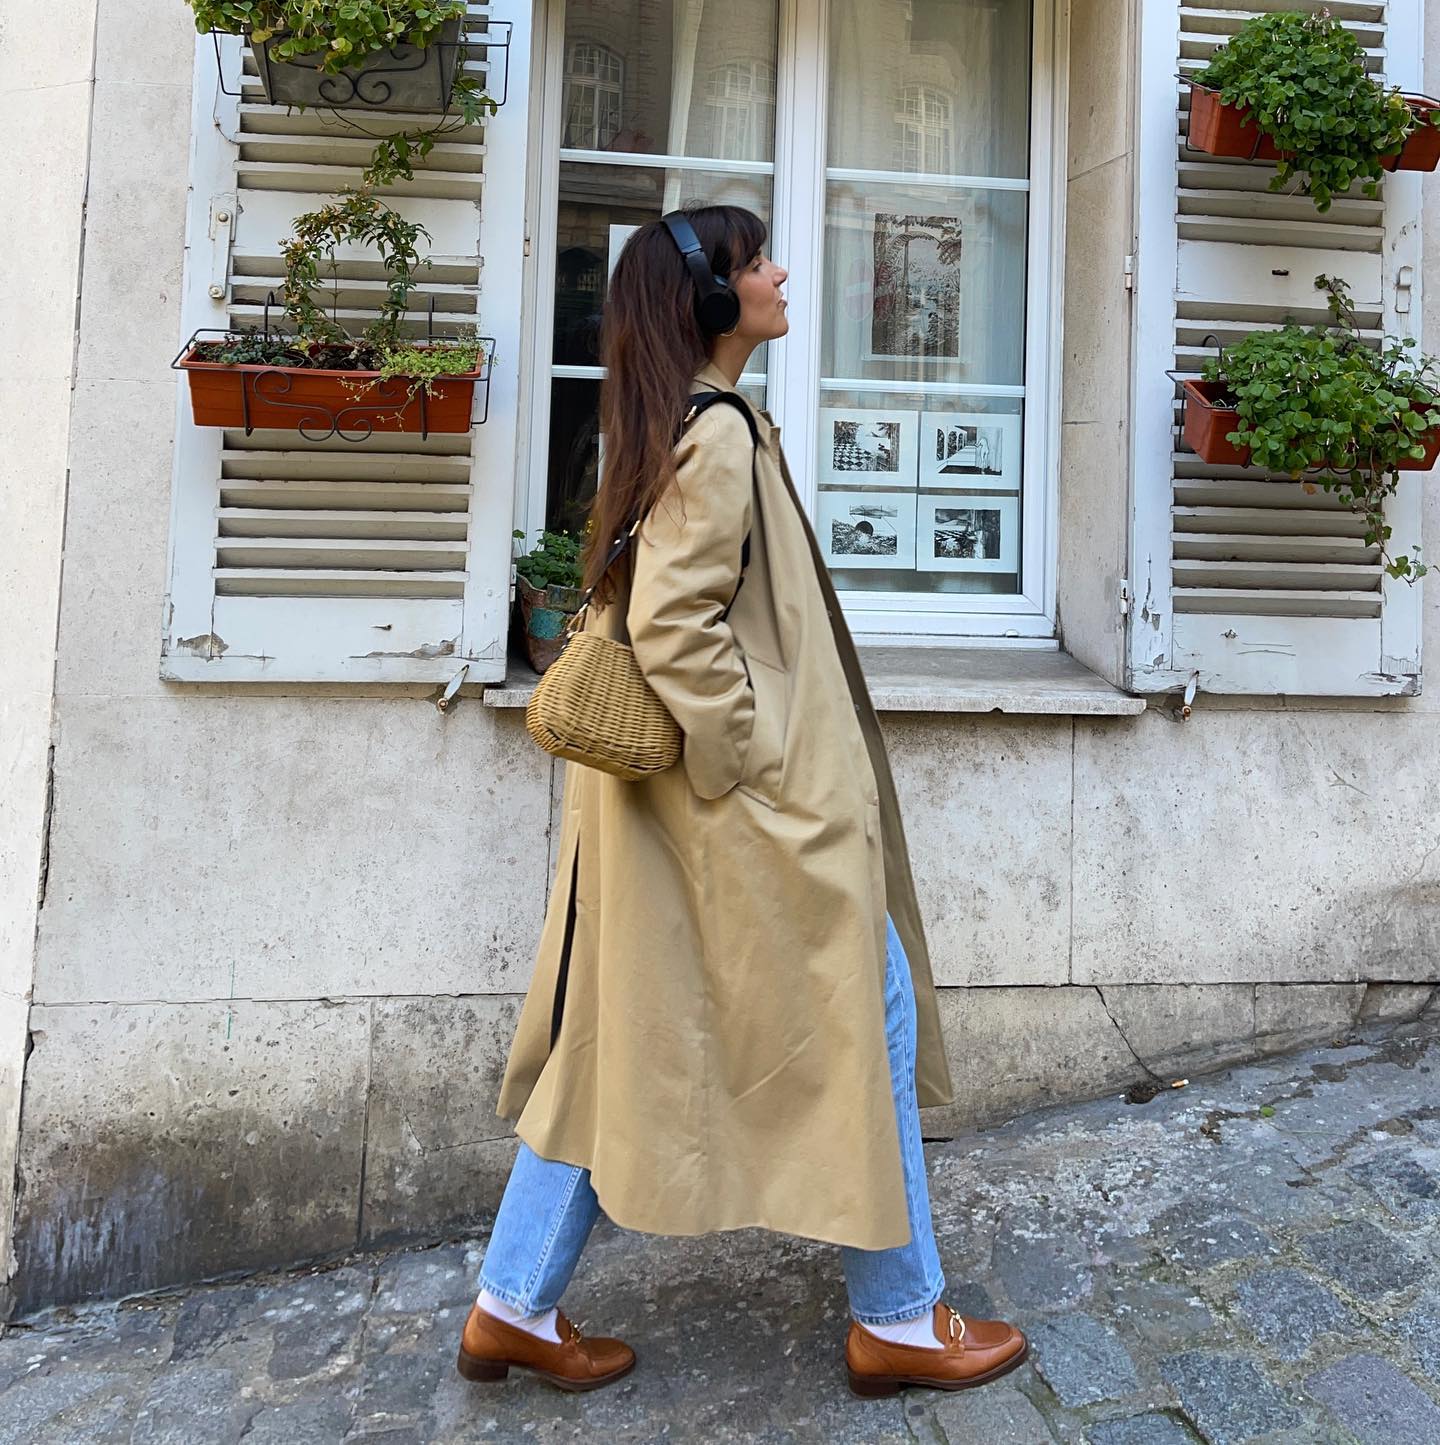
862, 444
966, 533
970, 449
917, 287
867, 529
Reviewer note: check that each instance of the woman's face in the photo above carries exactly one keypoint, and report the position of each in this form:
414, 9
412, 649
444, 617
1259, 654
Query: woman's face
762, 307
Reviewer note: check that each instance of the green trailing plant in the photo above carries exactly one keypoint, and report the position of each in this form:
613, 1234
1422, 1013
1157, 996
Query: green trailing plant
346, 31
394, 156
1322, 400
554, 561
362, 218
1302, 77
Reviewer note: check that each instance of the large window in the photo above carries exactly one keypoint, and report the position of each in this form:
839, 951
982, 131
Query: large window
905, 212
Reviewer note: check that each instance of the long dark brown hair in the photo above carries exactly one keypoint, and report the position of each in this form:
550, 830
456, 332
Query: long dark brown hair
651, 346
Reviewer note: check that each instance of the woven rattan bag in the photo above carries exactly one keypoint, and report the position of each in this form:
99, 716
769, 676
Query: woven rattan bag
592, 705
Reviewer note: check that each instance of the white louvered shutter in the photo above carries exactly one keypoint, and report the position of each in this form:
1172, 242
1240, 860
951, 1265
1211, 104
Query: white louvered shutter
1243, 583
388, 559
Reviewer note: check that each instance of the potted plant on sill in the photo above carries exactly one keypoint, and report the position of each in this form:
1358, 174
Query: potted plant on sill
1320, 400
547, 586
374, 54
1293, 88
317, 379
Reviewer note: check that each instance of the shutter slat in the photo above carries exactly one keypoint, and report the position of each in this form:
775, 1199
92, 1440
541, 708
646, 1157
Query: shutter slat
1274, 602
322, 582
398, 525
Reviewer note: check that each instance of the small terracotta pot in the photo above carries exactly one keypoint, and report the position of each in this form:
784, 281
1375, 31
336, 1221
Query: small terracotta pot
1218, 129
1208, 420
320, 404
1420, 150
544, 612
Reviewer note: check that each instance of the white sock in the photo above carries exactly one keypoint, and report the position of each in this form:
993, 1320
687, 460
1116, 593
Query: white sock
541, 1325
918, 1330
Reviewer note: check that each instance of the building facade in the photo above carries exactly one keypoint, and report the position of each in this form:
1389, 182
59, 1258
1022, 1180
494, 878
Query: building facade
274, 844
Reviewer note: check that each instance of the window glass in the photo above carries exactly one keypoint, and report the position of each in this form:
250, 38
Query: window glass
919, 462
689, 78
693, 79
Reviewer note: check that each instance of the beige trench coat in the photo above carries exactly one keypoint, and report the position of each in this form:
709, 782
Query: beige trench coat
720, 1058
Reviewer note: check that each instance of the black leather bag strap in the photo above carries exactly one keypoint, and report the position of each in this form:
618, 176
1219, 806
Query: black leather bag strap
699, 403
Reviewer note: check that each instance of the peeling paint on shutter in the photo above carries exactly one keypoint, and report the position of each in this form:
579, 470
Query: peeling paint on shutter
383, 560
1247, 580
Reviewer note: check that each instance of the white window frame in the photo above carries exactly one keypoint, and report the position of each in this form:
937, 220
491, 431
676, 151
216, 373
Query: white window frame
800, 174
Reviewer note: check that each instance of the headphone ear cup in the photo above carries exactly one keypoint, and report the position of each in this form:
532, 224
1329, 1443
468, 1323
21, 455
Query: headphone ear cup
719, 310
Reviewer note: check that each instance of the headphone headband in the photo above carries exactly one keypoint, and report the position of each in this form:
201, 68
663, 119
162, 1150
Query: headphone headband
717, 307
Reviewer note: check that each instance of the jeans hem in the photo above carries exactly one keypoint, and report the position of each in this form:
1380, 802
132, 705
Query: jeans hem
515, 1301
893, 1317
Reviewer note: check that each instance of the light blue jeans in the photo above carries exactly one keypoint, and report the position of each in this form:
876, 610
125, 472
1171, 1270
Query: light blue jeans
549, 1208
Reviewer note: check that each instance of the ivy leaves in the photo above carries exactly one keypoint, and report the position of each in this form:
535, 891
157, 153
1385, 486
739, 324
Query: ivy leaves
1321, 399
1303, 79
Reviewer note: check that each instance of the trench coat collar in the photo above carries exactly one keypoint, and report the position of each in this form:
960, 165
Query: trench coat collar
710, 375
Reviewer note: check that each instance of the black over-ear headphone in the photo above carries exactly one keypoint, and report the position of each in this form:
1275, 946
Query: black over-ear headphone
717, 307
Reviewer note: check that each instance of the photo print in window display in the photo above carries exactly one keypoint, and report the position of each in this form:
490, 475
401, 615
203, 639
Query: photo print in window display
867, 444
915, 307
970, 449
962, 533
867, 528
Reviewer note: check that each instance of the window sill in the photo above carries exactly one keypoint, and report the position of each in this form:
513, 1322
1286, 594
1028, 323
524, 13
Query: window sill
943, 679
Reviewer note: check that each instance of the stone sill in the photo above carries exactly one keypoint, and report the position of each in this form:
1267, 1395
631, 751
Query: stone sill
943, 679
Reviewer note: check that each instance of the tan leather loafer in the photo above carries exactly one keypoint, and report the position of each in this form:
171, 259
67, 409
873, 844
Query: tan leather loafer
969, 1353
489, 1347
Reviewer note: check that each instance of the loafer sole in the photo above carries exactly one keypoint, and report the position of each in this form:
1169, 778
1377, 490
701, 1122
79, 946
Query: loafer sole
473, 1368
876, 1386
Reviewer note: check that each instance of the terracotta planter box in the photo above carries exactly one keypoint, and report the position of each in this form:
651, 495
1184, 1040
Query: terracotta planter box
1421, 150
1225, 130
544, 612
1208, 420
405, 77
321, 404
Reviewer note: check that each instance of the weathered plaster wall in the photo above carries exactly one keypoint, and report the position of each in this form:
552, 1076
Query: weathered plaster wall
46, 70
287, 930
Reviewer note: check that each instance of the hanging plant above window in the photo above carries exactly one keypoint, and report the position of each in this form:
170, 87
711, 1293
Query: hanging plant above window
352, 54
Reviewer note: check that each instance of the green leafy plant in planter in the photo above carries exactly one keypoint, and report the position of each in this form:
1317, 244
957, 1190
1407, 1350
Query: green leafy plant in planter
1302, 78
313, 341
548, 582
345, 34
1321, 399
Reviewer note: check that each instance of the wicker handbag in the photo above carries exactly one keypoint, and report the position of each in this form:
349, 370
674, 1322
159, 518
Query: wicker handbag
592, 705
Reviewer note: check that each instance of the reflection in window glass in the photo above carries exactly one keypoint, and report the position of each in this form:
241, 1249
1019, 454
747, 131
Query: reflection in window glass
740, 109
594, 90
692, 79
925, 130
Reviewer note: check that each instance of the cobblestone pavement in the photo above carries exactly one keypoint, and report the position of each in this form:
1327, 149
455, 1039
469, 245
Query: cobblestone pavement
1251, 1258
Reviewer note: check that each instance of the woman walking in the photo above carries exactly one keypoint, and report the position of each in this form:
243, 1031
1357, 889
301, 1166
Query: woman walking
732, 1020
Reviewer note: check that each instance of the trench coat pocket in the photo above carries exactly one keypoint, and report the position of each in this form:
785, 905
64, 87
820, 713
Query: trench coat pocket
760, 774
